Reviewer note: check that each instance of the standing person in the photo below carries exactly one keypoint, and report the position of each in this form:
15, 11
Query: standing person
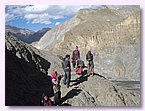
75, 56
67, 69
89, 58
56, 88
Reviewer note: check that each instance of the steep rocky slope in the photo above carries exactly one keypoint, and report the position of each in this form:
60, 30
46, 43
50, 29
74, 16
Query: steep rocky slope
25, 74
112, 33
56, 34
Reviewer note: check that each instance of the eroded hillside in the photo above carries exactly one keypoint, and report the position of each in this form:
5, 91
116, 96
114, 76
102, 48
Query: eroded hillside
112, 33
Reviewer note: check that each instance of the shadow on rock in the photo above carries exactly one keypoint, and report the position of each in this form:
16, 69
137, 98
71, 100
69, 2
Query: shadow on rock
24, 83
66, 104
71, 94
45, 65
81, 79
99, 75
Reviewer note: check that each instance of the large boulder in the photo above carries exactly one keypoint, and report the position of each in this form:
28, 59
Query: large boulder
98, 91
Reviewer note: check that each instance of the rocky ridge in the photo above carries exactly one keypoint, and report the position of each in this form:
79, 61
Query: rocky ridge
98, 91
26, 74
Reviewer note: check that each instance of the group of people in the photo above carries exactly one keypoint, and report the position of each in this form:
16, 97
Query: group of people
76, 63
66, 65
45, 100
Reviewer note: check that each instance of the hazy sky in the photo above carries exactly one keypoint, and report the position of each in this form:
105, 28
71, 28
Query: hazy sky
36, 17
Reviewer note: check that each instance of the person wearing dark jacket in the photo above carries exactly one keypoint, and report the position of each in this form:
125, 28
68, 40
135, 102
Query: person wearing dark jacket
67, 70
75, 56
89, 58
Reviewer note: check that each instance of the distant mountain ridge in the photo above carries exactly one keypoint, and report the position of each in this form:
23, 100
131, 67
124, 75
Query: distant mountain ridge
9, 28
26, 35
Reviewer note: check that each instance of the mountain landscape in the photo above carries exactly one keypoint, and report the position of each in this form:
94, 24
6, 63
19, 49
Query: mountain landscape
113, 38
26, 35
112, 33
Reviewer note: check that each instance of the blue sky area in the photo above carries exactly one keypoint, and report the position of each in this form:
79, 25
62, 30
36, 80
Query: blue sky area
36, 17
22, 23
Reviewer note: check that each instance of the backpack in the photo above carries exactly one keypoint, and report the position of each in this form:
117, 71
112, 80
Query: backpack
80, 63
79, 70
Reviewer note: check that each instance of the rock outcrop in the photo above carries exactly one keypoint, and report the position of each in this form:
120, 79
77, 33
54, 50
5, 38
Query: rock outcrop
98, 91
26, 74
